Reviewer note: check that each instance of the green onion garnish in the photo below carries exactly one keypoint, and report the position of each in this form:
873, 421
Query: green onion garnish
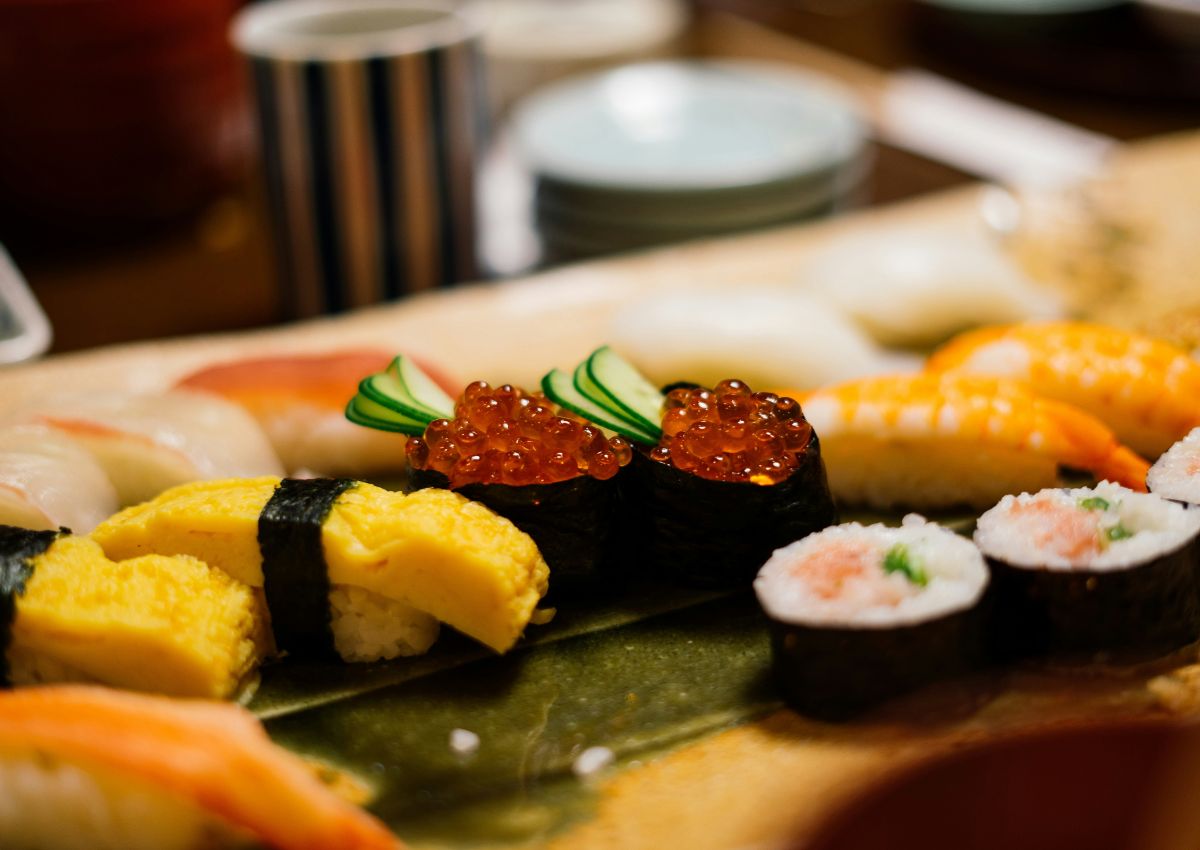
1094, 503
1118, 532
899, 560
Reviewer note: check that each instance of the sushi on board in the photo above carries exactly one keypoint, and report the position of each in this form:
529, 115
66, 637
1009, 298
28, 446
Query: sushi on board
600, 472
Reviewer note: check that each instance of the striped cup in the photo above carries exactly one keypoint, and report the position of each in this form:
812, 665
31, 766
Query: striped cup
370, 116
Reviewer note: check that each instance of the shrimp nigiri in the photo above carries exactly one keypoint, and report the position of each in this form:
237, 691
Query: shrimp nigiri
88, 768
299, 401
1145, 390
932, 441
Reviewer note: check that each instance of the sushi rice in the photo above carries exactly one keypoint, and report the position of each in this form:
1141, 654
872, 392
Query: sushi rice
1102, 528
1176, 474
51, 804
796, 586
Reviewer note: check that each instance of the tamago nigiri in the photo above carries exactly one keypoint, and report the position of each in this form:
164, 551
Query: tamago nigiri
348, 566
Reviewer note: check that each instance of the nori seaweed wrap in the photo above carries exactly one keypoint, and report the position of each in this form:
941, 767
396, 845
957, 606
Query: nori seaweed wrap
554, 476
736, 476
718, 533
1091, 570
862, 614
18, 548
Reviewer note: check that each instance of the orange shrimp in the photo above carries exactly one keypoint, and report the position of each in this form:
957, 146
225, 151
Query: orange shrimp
213, 756
932, 441
1145, 390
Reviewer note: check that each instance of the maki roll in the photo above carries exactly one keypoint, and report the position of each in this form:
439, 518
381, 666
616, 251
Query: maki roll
725, 476
859, 614
1176, 474
346, 568
1093, 569
169, 625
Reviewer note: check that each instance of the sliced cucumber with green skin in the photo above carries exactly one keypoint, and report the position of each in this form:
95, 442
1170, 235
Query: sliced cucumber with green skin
363, 411
385, 390
620, 387
418, 389
588, 389
559, 387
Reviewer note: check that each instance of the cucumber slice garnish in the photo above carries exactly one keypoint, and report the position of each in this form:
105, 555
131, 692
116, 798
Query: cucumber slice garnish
363, 411
620, 387
418, 389
383, 389
560, 388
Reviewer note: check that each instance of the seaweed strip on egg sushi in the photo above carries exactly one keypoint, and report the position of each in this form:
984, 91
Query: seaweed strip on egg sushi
736, 475
550, 473
860, 614
1091, 570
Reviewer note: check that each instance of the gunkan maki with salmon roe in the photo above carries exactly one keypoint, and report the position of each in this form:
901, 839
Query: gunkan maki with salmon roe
549, 472
721, 478
736, 475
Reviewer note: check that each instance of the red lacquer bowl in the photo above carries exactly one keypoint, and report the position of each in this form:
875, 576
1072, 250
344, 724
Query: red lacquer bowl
116, 112
1101, 787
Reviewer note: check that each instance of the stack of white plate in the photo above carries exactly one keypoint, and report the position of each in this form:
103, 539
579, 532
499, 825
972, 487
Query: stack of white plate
666, 151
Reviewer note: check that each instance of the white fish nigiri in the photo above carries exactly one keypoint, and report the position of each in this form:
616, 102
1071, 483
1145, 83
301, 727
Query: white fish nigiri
47, 481
766, 337
147, 443
913, 287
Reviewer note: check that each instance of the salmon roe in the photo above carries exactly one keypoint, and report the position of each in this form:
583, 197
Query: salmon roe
733, 434
503, 435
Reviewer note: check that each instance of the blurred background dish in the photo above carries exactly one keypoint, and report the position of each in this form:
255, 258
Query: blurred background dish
1176, 20
1111, 786
24, 330
665, 151
528, 43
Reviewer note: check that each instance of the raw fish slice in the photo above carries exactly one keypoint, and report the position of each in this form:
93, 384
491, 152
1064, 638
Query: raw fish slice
935, 441
917, 286
48, 482
148, 443
169, 625
94, 769
433, 550
766, 337
1146, 391
299, 401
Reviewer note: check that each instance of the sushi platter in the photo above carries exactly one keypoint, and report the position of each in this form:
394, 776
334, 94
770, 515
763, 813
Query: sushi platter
663, 701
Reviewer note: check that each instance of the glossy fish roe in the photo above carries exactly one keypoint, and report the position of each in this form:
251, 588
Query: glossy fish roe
503, 435
731, 433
